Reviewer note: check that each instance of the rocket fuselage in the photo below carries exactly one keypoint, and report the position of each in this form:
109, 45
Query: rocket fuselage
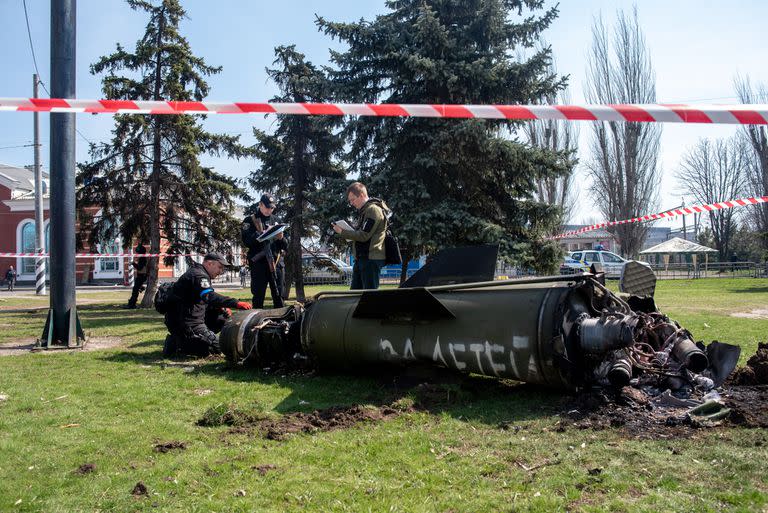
559, 331
515, 331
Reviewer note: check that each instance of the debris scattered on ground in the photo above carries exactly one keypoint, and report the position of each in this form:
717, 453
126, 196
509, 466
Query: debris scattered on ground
649, 413
263, 469
85, 468
544, 463
139, 490
3, 397
638, 411
168, 446
203, 391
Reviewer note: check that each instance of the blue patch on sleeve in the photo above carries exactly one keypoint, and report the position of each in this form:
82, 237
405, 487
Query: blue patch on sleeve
206, 291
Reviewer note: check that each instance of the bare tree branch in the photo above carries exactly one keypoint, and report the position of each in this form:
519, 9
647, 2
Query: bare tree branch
757, 159
624, 156
713, 172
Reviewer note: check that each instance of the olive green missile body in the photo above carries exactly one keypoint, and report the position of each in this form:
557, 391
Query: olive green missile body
561, 332
515, 331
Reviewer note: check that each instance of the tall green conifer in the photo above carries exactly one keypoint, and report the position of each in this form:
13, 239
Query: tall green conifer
299, 161
452, 182
148, 179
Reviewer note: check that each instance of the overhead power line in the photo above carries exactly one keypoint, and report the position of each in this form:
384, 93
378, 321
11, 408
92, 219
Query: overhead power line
19, 146
34, 61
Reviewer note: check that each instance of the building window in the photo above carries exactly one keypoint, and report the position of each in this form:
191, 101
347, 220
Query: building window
28, 246
108, 245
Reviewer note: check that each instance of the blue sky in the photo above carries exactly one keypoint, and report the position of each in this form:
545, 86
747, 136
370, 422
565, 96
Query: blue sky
696, 47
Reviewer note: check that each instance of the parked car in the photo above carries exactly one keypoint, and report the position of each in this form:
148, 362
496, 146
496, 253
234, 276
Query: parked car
612, 263
571, 266
325, 269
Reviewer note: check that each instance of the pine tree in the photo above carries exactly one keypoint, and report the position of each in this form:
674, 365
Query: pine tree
148, 179
299, 160
452, 182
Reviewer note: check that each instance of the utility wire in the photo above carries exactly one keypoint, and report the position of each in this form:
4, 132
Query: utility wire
32, 48
20, 146
34, 61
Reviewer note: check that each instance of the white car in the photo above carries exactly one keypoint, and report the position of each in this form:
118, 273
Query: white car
612, 263
322, 269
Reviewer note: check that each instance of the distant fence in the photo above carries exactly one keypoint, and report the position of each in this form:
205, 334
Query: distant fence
668, 272
712, 270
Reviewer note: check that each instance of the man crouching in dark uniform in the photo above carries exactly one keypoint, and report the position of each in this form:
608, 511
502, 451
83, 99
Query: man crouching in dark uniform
193, 297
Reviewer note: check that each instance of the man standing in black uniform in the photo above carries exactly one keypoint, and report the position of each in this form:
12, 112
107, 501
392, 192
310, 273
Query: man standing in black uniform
261, 271
140, 264
193, 296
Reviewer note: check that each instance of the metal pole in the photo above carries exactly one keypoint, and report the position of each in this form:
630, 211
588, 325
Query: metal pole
131, 270
62, 175
39, 212
685, 235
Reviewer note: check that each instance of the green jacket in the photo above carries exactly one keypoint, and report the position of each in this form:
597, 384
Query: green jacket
371, 227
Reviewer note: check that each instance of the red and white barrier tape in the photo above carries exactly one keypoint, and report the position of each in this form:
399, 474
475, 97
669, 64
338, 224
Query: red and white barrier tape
103, 255
742, 114
670, 213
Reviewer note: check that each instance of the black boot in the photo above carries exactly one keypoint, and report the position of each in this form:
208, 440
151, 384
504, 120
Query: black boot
170, 346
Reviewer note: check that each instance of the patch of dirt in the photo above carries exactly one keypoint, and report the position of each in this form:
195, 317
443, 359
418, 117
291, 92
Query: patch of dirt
280, 428
263, 469
226, 415
140, 490
329, 419
755, 372
85, 468
760, 313
27, 345
168, 446
748, 404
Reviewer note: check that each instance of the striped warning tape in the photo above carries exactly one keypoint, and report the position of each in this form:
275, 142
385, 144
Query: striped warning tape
669, 214
103, 255
743, 114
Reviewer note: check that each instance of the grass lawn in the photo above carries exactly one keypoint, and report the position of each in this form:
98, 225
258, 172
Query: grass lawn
79, 430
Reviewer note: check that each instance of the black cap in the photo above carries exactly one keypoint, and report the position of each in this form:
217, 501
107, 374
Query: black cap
218, 257
267, 200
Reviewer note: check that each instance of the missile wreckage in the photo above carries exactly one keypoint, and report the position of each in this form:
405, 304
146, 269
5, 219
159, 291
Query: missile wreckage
565, 332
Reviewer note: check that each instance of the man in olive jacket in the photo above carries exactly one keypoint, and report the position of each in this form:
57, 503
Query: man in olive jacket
368, 237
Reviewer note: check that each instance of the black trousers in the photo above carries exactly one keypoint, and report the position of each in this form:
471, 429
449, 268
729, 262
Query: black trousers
197, 339
138, 282
280, 280
259, 282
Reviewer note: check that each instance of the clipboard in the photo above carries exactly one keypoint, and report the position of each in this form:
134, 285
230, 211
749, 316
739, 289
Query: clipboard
341, 223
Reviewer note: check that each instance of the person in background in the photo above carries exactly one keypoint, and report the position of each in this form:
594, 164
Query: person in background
10, 278
140, 264
243, 275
